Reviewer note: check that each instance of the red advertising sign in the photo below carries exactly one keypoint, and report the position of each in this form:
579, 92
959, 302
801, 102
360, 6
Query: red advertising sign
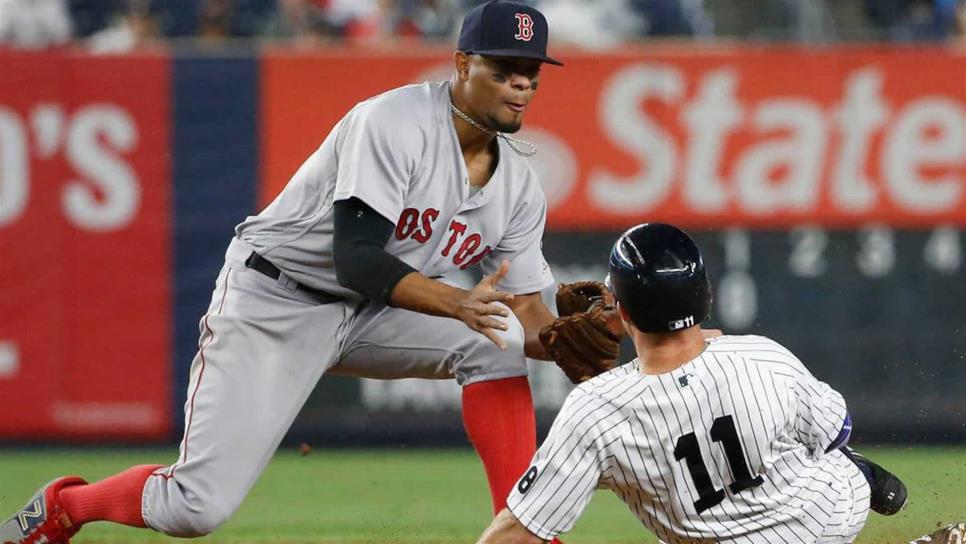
762, 137
84, 213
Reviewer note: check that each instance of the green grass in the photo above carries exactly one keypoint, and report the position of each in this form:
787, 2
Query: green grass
410, 496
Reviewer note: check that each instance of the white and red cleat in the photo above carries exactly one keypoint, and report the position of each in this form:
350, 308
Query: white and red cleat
43, 519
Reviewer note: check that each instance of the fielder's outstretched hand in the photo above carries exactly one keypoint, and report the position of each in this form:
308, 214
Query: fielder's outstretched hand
479, 308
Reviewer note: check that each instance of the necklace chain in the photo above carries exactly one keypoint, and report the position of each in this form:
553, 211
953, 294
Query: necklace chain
510, 141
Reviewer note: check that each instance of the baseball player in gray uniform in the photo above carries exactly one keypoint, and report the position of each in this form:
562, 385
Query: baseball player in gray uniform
726, 439
351, 270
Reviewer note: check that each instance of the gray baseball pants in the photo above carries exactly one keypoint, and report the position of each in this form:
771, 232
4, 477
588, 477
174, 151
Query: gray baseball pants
262, 349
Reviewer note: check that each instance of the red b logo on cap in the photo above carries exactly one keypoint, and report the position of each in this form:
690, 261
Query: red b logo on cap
524, 27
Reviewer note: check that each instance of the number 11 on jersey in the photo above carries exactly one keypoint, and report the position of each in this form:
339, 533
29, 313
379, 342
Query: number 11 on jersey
723, 430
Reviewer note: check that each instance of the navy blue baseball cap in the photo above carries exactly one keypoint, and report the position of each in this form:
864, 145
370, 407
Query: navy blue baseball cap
506, 29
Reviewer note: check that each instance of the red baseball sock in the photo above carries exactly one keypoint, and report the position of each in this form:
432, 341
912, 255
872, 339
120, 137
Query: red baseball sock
499, 421
116, 499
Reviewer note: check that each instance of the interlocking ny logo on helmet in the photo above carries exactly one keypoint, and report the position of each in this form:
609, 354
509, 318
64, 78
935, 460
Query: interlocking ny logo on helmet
524, 27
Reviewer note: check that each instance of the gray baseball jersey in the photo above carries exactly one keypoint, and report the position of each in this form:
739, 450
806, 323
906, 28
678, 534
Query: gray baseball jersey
398, 153
730, 447
265, 343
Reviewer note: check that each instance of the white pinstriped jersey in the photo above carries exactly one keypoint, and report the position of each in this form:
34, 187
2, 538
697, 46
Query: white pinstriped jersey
730, 447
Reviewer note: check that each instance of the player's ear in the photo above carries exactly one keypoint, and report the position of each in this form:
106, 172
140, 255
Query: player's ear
625, 317
461, 62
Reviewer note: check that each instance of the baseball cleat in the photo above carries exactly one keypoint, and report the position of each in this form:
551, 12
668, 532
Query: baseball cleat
888, 493
950, 534
43, 519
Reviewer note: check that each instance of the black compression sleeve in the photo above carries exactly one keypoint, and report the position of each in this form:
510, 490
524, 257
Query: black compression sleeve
361, 262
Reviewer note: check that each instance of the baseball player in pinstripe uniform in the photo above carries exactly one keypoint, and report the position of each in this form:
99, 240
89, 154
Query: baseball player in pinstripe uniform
728, 439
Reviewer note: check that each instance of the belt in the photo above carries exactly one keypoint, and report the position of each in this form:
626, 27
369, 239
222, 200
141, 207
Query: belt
262, 265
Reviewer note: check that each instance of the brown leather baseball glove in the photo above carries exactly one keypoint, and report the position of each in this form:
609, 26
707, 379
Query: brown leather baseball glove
585, 340
576, 297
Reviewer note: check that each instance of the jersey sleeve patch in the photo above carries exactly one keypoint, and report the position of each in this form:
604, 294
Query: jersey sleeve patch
526, 482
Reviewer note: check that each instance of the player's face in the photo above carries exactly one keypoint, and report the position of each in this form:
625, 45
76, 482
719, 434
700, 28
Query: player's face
499, 89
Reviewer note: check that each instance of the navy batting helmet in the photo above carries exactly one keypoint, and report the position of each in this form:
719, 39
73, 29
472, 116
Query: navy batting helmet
657, 274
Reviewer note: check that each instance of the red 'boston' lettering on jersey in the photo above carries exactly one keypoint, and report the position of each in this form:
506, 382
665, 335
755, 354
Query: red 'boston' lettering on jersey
456, 229
470, 244
463, 257
409, 224
419, 227
429, 216
479, 257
